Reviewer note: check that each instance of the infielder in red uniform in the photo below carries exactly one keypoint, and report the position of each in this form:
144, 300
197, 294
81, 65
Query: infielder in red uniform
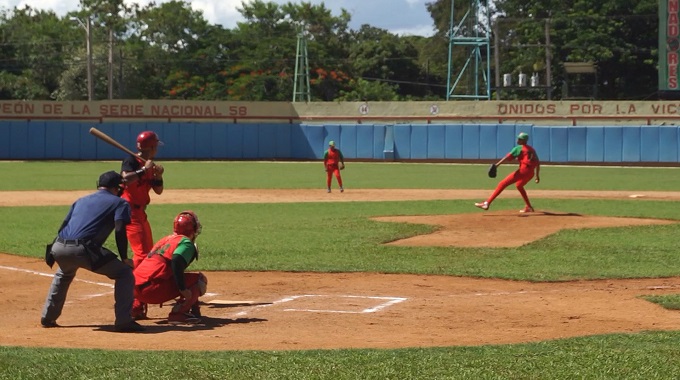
333, 162
139, 180
161, 276
528, 163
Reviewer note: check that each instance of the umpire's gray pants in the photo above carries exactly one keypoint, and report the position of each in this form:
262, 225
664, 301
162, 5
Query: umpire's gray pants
70, 258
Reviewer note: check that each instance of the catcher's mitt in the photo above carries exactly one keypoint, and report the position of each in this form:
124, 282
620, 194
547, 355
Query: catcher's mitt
341, 166
492, 171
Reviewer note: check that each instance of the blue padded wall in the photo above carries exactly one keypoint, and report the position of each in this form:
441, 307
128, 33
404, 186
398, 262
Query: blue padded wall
559, 144
299, 144
331, 133
436, 141
348, 140
235, 141
283, 136
613, 144
454, 142
418, 139
402, 141
649, 144
266, 141
630, 150
576, 147
383, 139
18, 135
36, 135
365, 142
488, 136
317, 141
471, 142
250, 141
668, 144
595, 144
54, 136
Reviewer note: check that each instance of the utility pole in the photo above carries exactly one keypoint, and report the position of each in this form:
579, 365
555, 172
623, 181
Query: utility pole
110, 79
87, 25
548, 71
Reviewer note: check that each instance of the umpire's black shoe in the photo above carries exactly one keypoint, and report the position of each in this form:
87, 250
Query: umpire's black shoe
129, 327
47, 323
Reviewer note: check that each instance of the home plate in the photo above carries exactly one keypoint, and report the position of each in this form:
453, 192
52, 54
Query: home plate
229, 302
234, 303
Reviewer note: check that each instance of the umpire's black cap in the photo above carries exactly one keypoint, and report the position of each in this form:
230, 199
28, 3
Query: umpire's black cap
110, 180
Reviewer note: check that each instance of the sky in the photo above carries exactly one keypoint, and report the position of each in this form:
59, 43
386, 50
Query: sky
406, 17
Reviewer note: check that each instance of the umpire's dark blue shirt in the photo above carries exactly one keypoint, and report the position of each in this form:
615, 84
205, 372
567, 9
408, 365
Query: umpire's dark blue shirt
93, 217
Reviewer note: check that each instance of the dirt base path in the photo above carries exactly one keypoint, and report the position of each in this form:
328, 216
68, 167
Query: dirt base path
291, 311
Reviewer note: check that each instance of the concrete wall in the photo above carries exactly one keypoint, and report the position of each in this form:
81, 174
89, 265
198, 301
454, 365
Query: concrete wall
70, 140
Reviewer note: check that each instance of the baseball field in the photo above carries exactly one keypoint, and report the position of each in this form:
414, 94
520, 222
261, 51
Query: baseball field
399, 277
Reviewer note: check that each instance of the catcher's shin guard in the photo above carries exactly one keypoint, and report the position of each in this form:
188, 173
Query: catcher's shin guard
185, 305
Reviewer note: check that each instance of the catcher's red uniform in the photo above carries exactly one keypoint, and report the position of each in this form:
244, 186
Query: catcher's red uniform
155, 281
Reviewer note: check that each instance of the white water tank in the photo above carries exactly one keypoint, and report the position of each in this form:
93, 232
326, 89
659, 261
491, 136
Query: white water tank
507, 80
522, 80
534, 80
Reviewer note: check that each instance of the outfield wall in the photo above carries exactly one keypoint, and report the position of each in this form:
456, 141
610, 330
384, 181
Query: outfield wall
70, 140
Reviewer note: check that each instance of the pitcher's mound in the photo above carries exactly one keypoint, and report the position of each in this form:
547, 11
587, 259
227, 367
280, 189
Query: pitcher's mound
503, 228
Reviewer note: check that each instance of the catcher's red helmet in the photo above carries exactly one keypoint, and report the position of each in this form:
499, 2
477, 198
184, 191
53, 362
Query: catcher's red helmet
187, 224
147, 140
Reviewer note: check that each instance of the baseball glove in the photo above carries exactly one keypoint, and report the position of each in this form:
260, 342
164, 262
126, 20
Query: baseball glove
341, 166
492, 171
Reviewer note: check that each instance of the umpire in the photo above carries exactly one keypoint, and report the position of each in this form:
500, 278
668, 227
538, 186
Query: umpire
86, 227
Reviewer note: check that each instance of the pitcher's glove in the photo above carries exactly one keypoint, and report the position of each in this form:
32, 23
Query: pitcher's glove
341, 166
492, 171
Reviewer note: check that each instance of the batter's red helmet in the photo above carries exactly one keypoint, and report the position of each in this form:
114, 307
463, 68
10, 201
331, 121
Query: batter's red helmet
147, 140
187, 224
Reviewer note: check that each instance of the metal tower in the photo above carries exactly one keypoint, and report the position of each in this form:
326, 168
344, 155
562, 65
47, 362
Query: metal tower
301, 83
470, 34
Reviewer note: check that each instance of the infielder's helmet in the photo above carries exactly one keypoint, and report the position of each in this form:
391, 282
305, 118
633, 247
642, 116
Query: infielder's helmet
187, 224
147, 140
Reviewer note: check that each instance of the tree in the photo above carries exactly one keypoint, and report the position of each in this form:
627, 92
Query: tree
378, 55
34, 44
172, 41
616, 36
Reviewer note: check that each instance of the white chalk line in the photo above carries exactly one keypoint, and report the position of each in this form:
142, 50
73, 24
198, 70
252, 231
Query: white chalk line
393, 300
390, 301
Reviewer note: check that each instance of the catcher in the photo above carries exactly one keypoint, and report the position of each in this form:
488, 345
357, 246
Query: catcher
528, 164
161, 276
333, 162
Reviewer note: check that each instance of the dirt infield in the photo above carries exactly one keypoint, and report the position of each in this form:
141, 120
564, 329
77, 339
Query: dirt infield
291, 311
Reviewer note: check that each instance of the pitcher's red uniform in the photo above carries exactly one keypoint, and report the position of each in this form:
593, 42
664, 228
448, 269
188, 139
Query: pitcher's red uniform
528, 164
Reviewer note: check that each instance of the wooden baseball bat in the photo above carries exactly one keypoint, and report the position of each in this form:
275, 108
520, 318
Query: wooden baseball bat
108, 139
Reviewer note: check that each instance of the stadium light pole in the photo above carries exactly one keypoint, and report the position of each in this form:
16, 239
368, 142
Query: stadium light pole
87, 25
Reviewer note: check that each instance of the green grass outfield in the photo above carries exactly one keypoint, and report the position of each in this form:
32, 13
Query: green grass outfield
305, 237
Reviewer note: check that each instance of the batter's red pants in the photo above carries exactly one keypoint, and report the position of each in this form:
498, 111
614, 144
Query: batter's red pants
520, 178
140, 241
139, 236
